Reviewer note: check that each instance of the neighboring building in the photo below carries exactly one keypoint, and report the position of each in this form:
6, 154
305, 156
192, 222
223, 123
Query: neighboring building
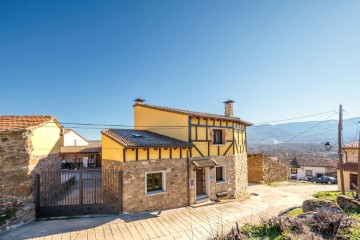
77, 151
263, 169
350, 158
301, 167
176, 157
28, 145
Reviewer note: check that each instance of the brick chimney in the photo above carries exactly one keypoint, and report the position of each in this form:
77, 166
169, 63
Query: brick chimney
229, 108
139, 101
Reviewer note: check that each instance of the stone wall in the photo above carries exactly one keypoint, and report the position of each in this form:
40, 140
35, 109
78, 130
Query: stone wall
263, 169
351, 155
19, 165
134, 198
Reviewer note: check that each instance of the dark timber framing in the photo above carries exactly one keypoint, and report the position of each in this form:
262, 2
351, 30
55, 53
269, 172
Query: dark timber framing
235, 143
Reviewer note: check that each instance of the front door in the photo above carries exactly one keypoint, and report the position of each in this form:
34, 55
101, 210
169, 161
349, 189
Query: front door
353, 179
199, 181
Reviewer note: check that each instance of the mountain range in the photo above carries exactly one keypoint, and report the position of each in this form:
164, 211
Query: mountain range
303, 132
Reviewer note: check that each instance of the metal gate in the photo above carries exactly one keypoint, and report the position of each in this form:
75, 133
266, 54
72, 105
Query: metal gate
78, 192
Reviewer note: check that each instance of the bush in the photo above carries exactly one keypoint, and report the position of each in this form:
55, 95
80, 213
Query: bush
330, 195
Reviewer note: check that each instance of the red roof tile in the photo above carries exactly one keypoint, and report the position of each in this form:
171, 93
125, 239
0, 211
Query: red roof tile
195, 114
352, 145
350, 167
13, 123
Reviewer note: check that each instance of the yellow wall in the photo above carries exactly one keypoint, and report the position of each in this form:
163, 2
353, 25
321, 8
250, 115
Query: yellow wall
147, 118
111, 150
46, 139
199, 139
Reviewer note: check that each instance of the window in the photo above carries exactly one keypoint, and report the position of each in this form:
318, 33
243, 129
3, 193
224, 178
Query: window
218, 136
155, 182
220, 174
293, 171
308, 173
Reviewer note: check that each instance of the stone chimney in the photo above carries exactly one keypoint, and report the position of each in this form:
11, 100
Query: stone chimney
229, 108
139, 101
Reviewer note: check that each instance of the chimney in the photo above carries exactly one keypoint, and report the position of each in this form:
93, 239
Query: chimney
229, 108
139, 101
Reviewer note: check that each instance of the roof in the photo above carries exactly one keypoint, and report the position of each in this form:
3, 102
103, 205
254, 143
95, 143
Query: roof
130, 138
67, 130
204, 163
350, 167
352, 145
194, 114
309, 162
16, 123
92, 147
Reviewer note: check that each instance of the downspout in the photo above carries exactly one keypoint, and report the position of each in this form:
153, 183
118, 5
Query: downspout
188, 174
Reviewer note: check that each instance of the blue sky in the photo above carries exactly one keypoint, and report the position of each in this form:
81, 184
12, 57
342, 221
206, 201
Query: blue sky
85, 61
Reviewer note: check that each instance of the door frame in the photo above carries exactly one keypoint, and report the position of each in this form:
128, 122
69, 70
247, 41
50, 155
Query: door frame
206, 182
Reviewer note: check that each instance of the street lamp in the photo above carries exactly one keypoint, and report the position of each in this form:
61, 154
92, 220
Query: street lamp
328, 146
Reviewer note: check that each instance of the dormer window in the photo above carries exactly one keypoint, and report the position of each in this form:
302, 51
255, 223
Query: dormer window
218, 136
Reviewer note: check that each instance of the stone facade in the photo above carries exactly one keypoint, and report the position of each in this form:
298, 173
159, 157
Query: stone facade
176, 194
351, 155
263, 169
19, 165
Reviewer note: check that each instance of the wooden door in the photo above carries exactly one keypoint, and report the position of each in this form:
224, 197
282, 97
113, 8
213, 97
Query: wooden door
353, 179
199, 181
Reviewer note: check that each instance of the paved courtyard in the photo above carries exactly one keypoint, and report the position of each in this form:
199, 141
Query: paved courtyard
183, 223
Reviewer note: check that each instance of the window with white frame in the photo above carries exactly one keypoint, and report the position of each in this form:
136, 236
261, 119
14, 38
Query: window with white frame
220, 173
293, 171
155, 182
218, 136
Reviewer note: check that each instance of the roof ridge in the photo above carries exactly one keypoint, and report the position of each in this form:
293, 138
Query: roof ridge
194, 113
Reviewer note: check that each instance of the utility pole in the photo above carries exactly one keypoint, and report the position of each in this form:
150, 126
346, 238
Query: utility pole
342, 187
358, 173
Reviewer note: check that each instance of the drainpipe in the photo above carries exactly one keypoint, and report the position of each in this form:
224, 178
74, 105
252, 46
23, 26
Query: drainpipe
188, 174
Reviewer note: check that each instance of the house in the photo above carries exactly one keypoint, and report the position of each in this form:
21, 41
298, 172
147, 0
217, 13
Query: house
350, 166
177, 157
77, 151
264, 169
305, 167
28, 145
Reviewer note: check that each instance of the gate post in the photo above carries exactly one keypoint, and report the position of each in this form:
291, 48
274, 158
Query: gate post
37, 195
81, 188
120, 192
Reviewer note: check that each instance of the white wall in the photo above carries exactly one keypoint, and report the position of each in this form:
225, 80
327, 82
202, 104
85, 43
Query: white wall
70, 137
301, 173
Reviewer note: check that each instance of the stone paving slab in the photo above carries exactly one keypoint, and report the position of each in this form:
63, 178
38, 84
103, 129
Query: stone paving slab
182, 223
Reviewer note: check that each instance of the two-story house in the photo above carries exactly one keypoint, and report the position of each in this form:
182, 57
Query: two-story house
350, 159
176, 157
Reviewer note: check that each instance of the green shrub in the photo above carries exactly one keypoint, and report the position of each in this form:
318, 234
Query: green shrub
330, 195
266, 230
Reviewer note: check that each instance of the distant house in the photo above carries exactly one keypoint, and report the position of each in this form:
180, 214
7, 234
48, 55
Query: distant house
177, 157
28, 145
350, 166
264, 169
77, 151
302, 167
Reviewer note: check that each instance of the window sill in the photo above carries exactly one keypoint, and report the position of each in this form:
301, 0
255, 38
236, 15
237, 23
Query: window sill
155, 193
219, 182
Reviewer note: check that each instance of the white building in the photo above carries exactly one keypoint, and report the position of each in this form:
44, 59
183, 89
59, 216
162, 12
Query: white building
301, 167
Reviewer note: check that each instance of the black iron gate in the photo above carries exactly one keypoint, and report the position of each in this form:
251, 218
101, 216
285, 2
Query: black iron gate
78, 192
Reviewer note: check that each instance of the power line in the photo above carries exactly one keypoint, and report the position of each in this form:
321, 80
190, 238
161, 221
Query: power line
283, 120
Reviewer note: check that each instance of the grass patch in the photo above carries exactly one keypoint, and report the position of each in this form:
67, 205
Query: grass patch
330, 195
263, 231
9, 213
293, 213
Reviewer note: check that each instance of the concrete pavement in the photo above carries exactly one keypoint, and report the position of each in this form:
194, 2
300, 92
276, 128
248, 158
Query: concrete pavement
182, 223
